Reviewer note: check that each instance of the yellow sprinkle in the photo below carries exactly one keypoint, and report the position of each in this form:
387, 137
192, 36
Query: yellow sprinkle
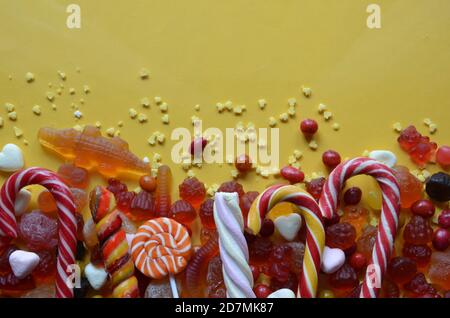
9, 107
132, 112
62, 75
220, 107
272, 122
117, 133
366, 153
120, 123
186, 165
1, 122
298, 154
264, 173
292, 102
82, 100
262, 103
78, 127
145, 102
397, 127
313, 145
163, 107
211, 191
86, 89
61, 85
151, 140
144, 73
427, 121
12, 116
197, 107
156, 157
321, 108
190, 173
54, 107
49, 84
284, 117
433, 128
237, 110
59, 91
426, 174
195, 120
306, 91
327, 115
110, 131
142, 118
160, 138
98, 124
296, 165
158, 100
71, 91
228, 105
291, 111
36, 109
25, 142
18, 132
78, 69
336, 126
291, 159
50, 96
234, 173
29, 77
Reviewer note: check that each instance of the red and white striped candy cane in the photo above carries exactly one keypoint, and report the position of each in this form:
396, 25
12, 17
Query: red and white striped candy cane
315, 234
389, 213
67, 227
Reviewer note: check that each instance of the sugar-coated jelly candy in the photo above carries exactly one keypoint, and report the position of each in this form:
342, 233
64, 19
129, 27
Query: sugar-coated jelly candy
401, 269
410, 186
438, 187
183, 212
340, 235
417, 231
232, 186
192, 191
39, 231
439, 270
73, 176
366, 241
46, 202
162, 192
206, 213
215, 287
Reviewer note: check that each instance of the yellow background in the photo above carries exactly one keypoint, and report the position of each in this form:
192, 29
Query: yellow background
204, 52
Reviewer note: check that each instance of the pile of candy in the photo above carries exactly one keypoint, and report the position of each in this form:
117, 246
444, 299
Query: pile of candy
314, 238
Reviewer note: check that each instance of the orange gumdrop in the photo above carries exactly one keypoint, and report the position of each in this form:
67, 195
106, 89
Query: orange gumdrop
46, 202
356, 216
411, 188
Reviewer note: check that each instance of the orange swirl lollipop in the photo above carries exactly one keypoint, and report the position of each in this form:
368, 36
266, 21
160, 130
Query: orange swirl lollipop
161, 247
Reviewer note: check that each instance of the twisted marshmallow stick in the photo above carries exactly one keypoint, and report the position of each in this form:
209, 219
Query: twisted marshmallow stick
66, 213
315, 234
237, 274
389, 211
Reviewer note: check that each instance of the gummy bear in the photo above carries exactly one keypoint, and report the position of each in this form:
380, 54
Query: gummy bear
366, 241
439, 270
357, 216
73, 176
90, 150
182, 212
206, 213
410, 186
422, 153
340, 235
419, 285
417, 231
215, 287
420, 253
344, 278
401, 269
409, 137
192, 191
389, 289
39, 231
162, 192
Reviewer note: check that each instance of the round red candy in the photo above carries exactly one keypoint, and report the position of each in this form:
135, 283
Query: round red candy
352, 196
444, 219
243, 163
292, 174
357, 261
331, 158
441, 239
262, 291
309, 127
424, 208
443, 156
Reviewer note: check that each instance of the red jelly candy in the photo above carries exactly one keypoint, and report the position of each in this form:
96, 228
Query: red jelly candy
192, 191
142, 206
292, 174
422, 153
47, 265
290, 283
11, 282
206, 213
340, 235
390, 289
75, 177
39, 231
260, 248
245, 202
424, 208
419, 285
410, 187
315, 186
183, 212
401, 269
215, 287
443, 156
123, 201
366, 241
344, 278
197, 146
4, 259
262, 291
444, 219
243, 163
206, 234
419, 253
409, 137
417, 231
232, 186
116, 187
147, 183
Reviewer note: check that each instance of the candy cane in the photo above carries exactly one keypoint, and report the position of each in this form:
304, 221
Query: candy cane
389, 213
66, 213
237, 274
315, 234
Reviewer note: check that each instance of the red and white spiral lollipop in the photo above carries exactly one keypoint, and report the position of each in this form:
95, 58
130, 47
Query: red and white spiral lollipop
389, 213
66, 214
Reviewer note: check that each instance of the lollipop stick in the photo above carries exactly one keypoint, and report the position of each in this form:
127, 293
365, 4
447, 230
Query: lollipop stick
173, 286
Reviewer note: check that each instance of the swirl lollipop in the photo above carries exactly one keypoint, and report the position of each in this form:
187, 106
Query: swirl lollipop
315, 234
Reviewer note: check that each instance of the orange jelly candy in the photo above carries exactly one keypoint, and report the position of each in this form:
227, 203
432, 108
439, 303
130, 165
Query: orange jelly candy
410, 187
75, 177
162, 195
356, 216
46, 202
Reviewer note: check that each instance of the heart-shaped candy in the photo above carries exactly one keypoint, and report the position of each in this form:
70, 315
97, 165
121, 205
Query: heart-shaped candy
332, 259
23, 199
282, 293
288, 226
23, 262
11, 158
95, 275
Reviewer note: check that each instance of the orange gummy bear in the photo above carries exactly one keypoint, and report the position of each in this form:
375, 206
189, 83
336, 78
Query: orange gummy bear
90, 150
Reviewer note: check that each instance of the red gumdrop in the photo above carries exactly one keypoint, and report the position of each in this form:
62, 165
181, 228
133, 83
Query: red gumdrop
401, 269
141, 207
197, 146
232, 186
315, 187
408, 138
419, 285
245, 202
256, 271
123, 201
73, 176
39, 231
206, 213
192, 191
344, 278
292, 174
411, 189
262, 291
267, 228
197, 267
182, 212
331, 158
116, 187
419, 253
340, 235
417, 231
357, 261
309, 127
443, 156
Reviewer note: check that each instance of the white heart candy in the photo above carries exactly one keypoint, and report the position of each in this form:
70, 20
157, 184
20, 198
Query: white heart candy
288, 226
23, 262
11, 158
384, 156
95, 275
332, 259
23, 198
282, 293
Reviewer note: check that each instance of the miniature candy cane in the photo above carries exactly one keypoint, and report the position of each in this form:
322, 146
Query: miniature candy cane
315, 234
66, 213
389, 213
161, 247
237, 274
114, 244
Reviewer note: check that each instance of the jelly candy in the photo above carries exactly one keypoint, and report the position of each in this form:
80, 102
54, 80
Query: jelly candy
47, 265
331, 158
409, 137
401, 269
192, 191
352, 196
90, 150
357, 216
73, 176
424, 208
4, 258
417, 231
422, 153
444, 219
260, 248
439, 270
89, 234
80, 198
159, 288
420, 253
340, 235
197, 266
443, 156
292, 174
419, 285
344, 278
410, 186
41, 291
10, 282
291, 283
358, 261
296, 256
206, 213
197, 146
141, 207
123, 201
267, 228
162, 192
182, 212
215, 287
315, 186
366, 241
438, 187
127, 225
389, 289
441, 239
116, 187
232, 186
262, 291
206, 234
243, 163
147, 183
245, 202
46, 202
38, 231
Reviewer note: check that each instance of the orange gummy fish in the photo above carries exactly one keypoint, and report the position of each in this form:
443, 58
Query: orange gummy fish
90, 150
